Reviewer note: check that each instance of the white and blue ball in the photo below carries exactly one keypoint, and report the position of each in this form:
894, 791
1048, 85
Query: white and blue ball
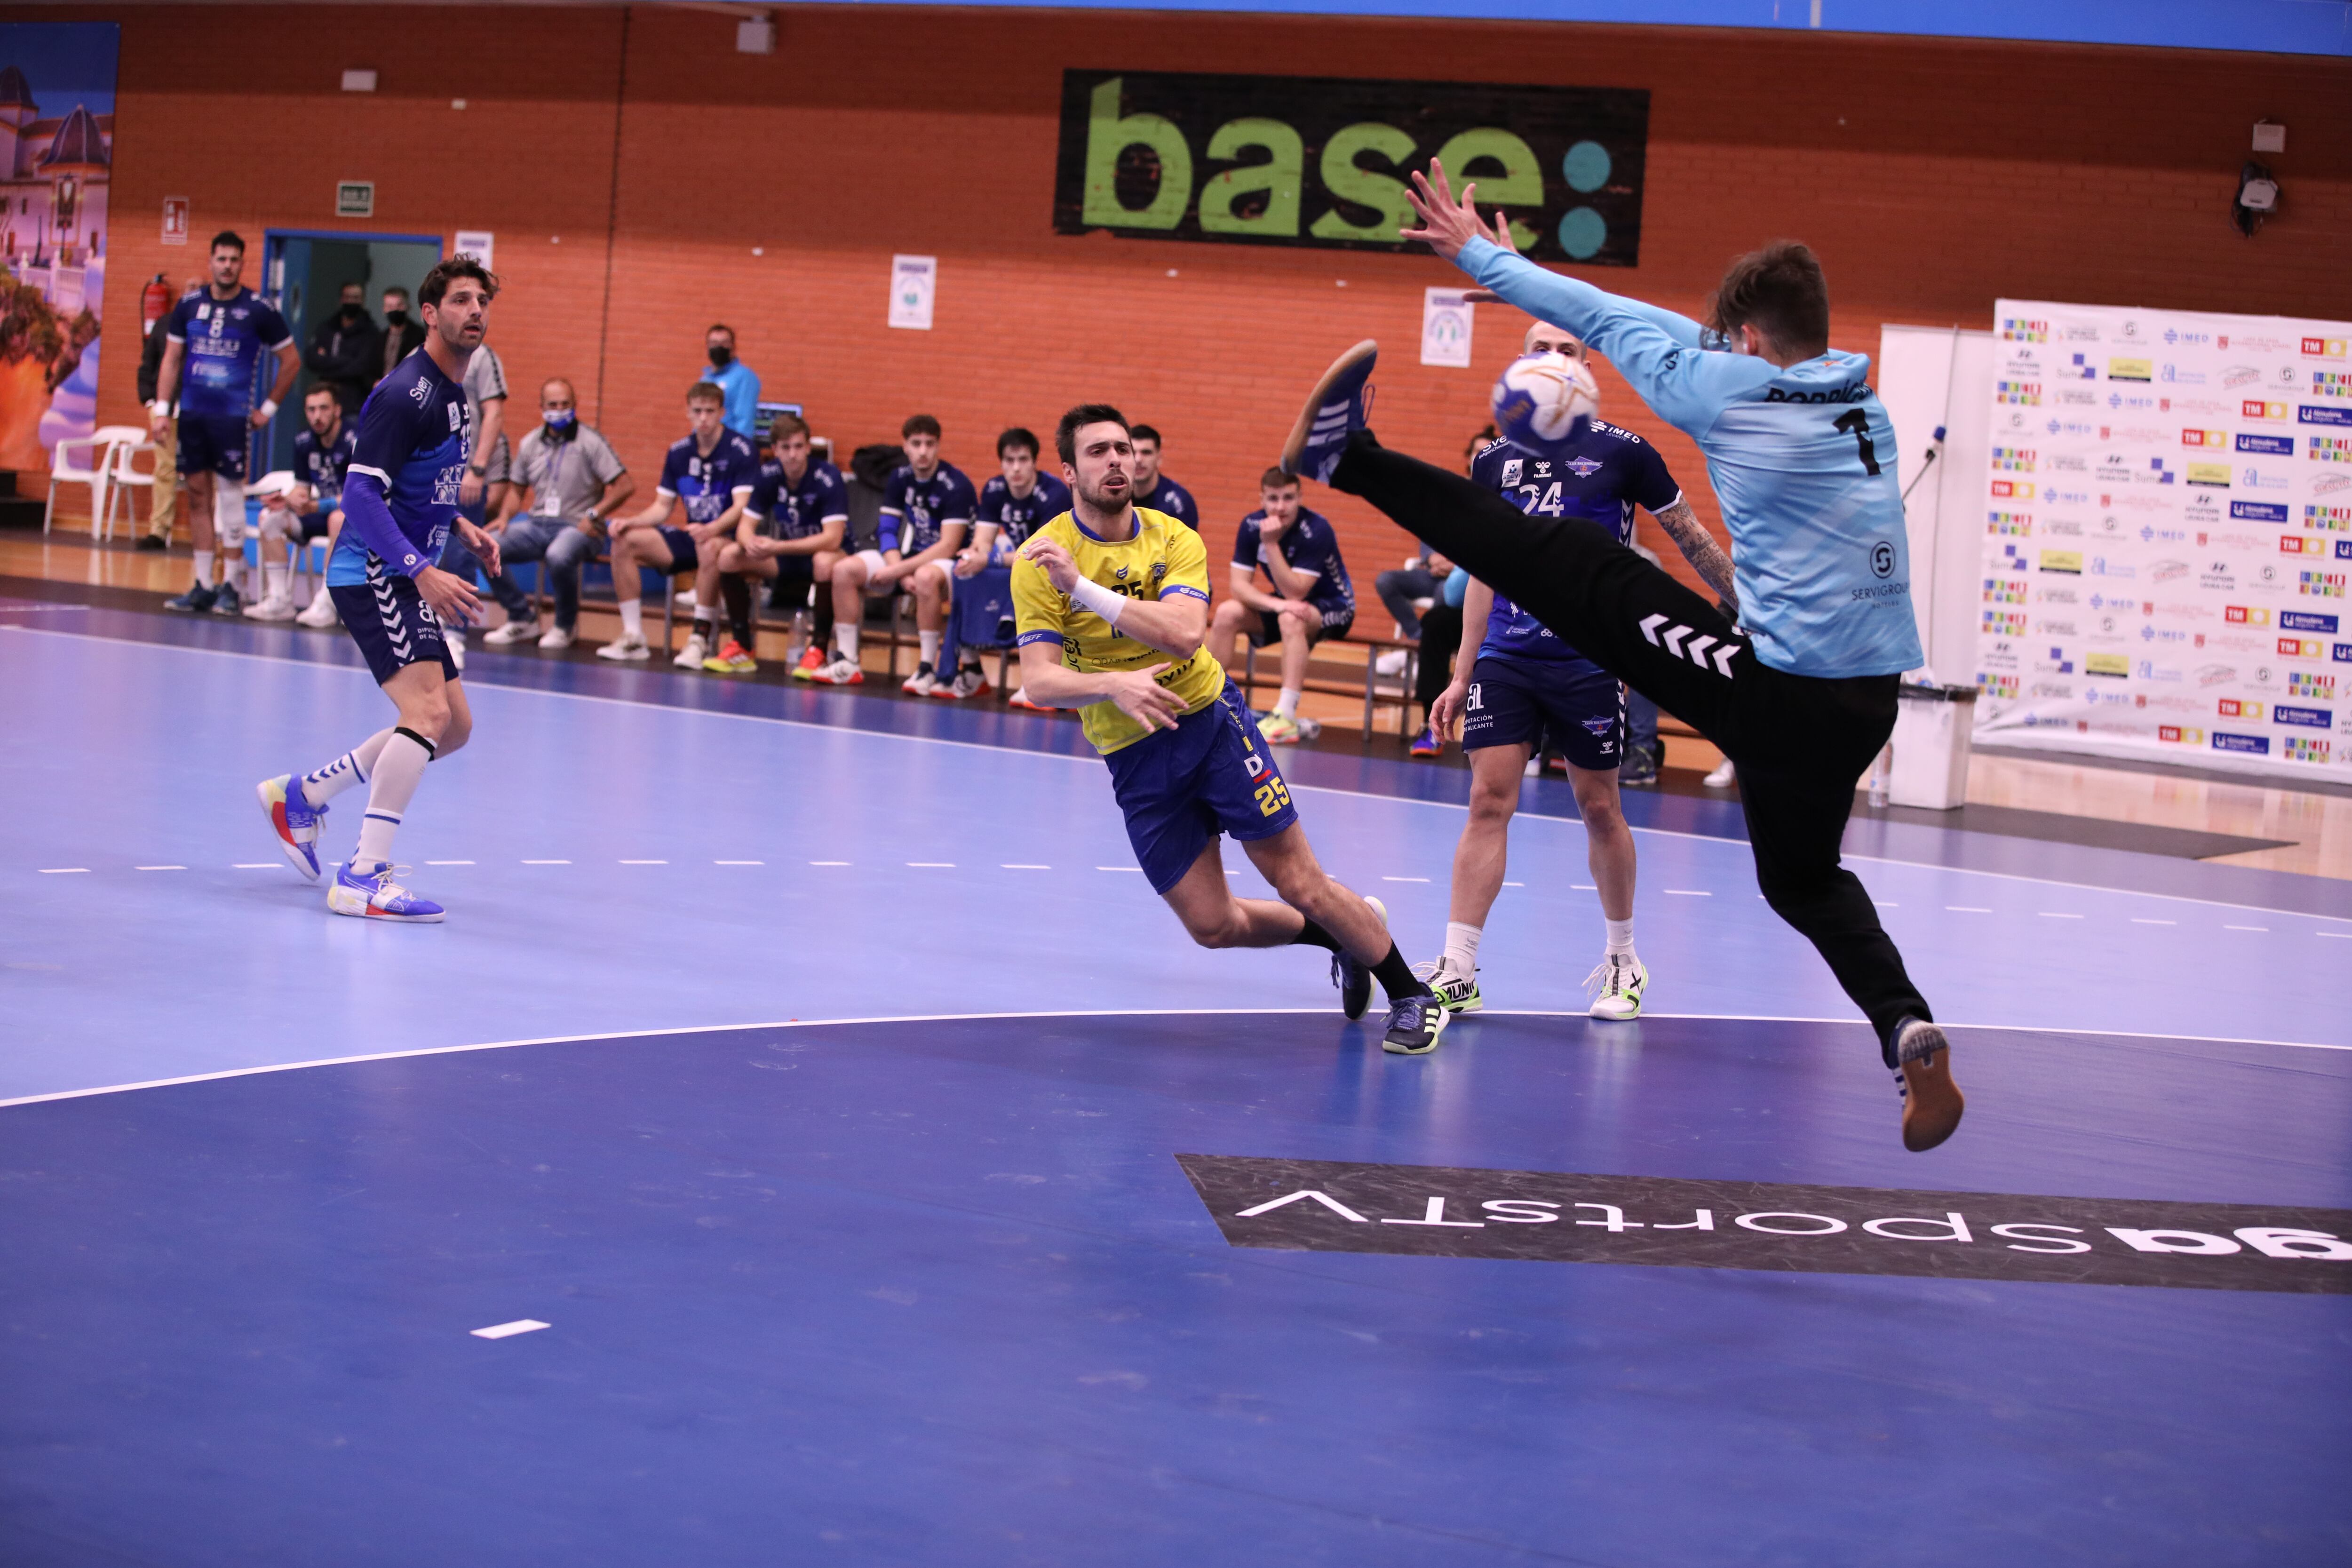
1545, 401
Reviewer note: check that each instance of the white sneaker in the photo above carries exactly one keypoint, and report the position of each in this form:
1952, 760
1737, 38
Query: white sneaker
456, 646
923, 683
843, 671
555, 639
628, 647
279, 607
510, 634
1723, 777
691, 656
319, 612
1621, 980
1390, 663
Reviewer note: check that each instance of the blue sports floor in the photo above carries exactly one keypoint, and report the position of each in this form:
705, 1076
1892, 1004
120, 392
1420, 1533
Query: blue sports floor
841, 1065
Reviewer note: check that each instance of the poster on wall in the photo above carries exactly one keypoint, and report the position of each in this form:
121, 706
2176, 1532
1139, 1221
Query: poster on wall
1321, 161
2167, 538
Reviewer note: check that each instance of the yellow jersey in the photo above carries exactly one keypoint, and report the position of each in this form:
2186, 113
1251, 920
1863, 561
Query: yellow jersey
1163, 559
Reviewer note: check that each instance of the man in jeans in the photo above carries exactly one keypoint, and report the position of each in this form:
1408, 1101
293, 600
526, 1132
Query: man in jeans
574, 481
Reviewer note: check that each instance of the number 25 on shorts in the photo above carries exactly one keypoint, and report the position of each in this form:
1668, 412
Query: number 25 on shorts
1273, 795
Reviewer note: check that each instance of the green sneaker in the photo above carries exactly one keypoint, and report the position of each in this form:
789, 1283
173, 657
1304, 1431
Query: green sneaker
1620, 982
1455, 992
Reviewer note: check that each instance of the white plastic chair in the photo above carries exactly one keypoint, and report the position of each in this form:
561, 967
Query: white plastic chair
122, 477
101, 443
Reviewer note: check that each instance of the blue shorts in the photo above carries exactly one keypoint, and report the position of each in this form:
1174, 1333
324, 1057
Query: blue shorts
393, 625
1514, 701
213, 443
681, 547
314, 524
984, 609
1180, 788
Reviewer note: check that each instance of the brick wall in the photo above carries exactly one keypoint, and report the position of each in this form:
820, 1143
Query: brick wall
771, 191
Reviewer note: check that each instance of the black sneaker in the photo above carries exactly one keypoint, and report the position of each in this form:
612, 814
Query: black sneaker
151, 542
1414, 1024
228, 601
197, 600
1339, 405
1639, 770
1355, 983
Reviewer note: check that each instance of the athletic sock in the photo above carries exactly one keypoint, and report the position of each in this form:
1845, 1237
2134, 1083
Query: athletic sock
1462, 947
1286, 705
702, 626
633, 617
1620, 937
846, 640
821, 615
399, 768
1397, 978
1313, 935
273, 580
204, 568
354, 766
736, 589
930, 644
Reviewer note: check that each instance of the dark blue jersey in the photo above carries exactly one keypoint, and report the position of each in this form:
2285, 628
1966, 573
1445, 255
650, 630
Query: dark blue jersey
1173, 499
1307, 545
788, 510
1019, 516
222, 343
323, 463
400, 493
707, 484
913, 511
1601, 477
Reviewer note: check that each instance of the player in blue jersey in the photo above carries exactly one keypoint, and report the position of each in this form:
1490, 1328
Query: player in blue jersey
1514, 683
1802, 693
797, 509
710, 474
400, 501
1012, 505
927, 512
1312, 596
213, 342
311, 510
1156, 489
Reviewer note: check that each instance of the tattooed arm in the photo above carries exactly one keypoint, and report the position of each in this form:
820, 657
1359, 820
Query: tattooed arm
1706, 556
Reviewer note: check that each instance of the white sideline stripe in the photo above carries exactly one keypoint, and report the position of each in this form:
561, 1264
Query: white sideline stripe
2143, 921
255, 865
1965, 910
1010, 865
2057, 915
2338, 935
63, 870
1405, 879
547, 862
739, 862
841, 731
932, 865
2262, 929
644, 862
159, 868
1687, 892
828, 862
1078, 1012
508, 1331
1881, 903
1515, 884
1140, 868
448, 862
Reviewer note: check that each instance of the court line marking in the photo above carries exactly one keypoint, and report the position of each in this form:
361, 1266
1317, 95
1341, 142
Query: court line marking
739, 862
1075, 1012
65, 870
168, 868
508, 1331
547, 862
644, 862
448, 862
852, 731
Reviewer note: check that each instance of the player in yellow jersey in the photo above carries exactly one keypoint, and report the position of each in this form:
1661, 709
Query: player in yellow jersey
1112, 600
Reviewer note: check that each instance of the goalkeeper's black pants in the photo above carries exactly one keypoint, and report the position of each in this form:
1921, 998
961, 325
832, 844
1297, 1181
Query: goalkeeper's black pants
1800, 744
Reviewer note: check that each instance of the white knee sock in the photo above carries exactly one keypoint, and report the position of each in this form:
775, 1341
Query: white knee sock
204, 568
353, 767
844, 637
1462, 947
1620, 936
399, 768
633, 617
273, 577
1287, 703
930, 643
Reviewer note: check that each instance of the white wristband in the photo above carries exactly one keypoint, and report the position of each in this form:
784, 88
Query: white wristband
1087, 593
160, 409
269, 408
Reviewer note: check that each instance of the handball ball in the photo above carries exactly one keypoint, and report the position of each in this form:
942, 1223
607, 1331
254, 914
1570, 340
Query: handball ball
1544, 401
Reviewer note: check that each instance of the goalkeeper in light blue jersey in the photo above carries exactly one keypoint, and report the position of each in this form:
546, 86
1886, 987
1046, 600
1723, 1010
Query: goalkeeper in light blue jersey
1800, 693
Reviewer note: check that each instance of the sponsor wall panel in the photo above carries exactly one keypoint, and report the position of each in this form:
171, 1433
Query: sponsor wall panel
2167, 538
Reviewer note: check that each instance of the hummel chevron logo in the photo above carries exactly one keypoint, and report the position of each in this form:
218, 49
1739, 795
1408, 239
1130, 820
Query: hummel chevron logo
1697, 651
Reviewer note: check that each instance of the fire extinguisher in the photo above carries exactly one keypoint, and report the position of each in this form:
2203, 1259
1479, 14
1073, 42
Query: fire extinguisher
154, 302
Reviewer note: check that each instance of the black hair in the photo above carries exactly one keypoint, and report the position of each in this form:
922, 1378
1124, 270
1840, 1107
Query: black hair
920, 424
1066, 433
1780, 291
230, 238
437, 282
1143, 433
1019, 435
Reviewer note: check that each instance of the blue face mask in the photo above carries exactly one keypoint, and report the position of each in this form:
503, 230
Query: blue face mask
557, 419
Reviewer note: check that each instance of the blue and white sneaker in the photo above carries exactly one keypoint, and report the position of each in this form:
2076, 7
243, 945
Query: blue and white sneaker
1341, 404
294, 819
371, 894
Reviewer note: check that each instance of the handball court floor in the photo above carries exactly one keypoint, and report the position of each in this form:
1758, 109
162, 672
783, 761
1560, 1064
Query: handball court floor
815, 1071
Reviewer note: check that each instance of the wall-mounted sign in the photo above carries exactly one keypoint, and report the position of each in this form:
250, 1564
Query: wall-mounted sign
1267, 160
175, 220
479, 243
1445, 321
356, 198
914, 281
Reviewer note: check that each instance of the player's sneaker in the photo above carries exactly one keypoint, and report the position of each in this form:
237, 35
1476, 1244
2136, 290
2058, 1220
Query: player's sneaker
152, 541
1639, 770
1617, 985
454, 641
730, 659
1278, 731
512, 631
1932, 1102
228, 601
293, 819
1723, 777
811, 660
374, 895
967, 683
1414, 1024
1354, 979
629, 647
1455, 992
275, 608
196, 601
691, 656
555, 639
1391, 663
1019, 699
843, 671
320, 611
1338, 406
923, 683
1426, 743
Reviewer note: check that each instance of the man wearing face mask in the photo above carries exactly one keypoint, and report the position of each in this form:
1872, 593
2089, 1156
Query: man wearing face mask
346, 352
574, 481
403, 335
739, 380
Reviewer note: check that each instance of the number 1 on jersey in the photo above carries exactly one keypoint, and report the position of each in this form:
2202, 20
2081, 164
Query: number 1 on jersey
1857, 424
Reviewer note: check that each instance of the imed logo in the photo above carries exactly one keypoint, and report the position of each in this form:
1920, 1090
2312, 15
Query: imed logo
2255, 408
